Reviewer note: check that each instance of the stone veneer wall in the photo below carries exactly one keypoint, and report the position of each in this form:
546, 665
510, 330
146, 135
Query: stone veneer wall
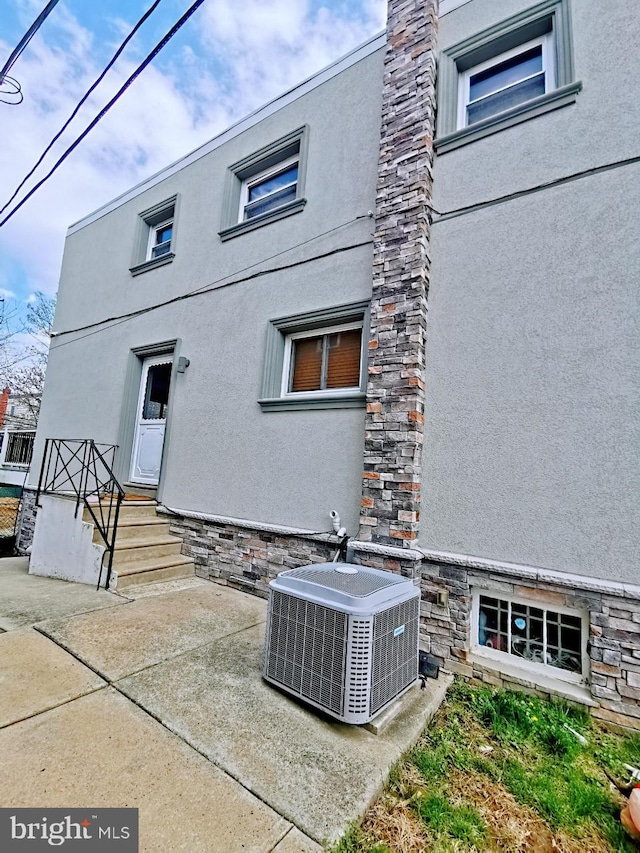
27, 523
390, 504
614, 629
247, 558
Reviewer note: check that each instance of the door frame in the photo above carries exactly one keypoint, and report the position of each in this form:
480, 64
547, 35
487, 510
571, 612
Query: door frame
147, 363
129, 410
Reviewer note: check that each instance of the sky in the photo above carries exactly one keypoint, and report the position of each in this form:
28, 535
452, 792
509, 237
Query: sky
228, 59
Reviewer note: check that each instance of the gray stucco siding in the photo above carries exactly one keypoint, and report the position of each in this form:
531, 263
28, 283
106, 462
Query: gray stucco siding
224, 455
532, 381
343, 119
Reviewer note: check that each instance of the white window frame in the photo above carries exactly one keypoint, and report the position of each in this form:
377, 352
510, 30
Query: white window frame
507, 659
316, 333
249, 183
548, 68
151, 244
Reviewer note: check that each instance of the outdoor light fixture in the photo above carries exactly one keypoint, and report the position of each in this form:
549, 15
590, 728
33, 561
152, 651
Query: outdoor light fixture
183, 363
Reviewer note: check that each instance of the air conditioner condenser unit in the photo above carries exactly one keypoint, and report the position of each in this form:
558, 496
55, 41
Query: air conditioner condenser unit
343, 638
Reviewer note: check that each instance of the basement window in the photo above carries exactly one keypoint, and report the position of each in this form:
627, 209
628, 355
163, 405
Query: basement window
552, 640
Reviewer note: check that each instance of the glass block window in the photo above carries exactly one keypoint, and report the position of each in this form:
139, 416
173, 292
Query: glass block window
532, 633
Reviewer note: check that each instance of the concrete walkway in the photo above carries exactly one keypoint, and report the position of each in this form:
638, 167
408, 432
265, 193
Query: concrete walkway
158, 703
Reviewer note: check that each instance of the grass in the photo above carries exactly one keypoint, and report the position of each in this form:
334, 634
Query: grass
500, 770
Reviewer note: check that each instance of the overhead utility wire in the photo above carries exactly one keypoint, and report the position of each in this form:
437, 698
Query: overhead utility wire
556, 182
26, 38
83, 100
218, 284
148, 59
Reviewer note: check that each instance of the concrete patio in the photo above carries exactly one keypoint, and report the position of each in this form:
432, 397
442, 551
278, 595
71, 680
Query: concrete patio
157, 702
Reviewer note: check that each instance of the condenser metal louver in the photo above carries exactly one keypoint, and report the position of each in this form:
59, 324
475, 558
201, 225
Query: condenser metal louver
343, 638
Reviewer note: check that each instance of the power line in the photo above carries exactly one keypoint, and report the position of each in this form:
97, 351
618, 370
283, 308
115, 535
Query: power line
216, 285
556, 182
149, 58
10, 91
26, 38
83, 100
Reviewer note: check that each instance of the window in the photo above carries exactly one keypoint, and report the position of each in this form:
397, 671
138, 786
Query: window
160, 239
507, 74
531, 635
269, 190
317, 360
512, 78
324, 360
266, 186
156, 238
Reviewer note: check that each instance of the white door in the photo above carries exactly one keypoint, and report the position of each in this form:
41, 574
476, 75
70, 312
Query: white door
151, 418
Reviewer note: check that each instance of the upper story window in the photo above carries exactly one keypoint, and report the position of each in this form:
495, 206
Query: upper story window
511, 72
160, 239
270, 189
266, 186
510, 79
155, 241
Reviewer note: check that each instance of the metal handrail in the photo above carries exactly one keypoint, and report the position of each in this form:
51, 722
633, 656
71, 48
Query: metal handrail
78, 466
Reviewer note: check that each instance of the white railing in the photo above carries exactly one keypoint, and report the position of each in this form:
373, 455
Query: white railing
16, 448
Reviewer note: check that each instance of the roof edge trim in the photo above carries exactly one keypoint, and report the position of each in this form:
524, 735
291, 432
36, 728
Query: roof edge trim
352, 58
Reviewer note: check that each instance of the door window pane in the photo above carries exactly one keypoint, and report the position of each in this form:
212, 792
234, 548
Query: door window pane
156, 395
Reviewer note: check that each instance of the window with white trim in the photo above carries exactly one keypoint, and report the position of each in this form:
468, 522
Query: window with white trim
545, 638
155, 241
269, 189
507, 80
323, 360
316, 360
160, 239
513, 71
266, 186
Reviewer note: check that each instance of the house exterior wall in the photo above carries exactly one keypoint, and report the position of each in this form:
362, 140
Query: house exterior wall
532, 445
524, 485
224, 454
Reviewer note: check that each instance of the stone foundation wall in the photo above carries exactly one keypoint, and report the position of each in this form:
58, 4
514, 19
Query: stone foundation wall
247, 558
613, 643
27, 522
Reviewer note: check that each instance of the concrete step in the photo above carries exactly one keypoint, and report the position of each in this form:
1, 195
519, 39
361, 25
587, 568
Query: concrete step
152, 571
147, 548
128, 510
137, 528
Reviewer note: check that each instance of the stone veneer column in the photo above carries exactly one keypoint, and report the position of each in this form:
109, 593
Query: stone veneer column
390, 505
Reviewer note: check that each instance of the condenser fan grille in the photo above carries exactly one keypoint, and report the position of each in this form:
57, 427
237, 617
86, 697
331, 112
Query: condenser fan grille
359, 584
395, 662
306, 649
